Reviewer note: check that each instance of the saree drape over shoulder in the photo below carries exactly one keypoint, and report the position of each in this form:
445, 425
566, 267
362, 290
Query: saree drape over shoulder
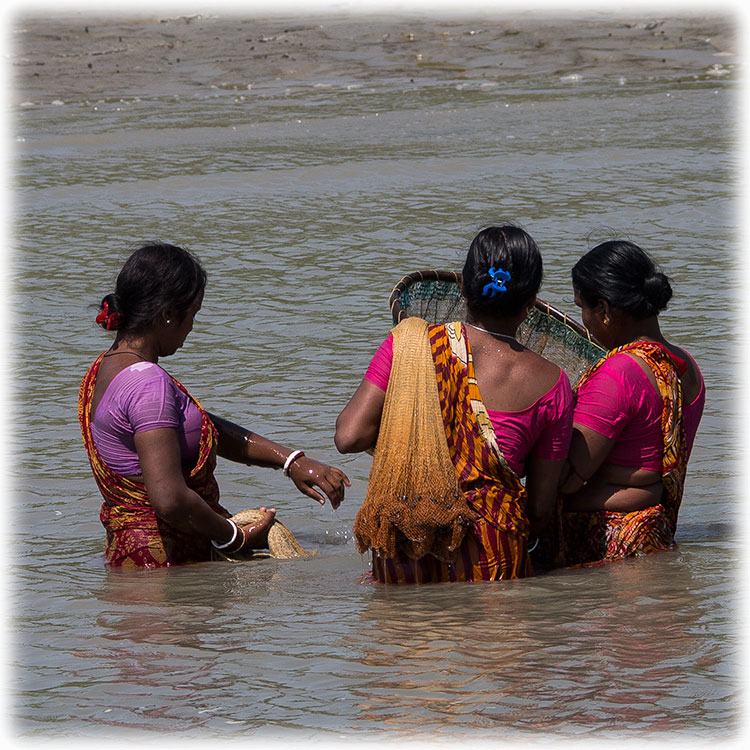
602, 536
480, 531
135, 536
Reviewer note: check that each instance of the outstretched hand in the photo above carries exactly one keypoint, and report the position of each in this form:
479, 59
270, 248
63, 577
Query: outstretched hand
307, 473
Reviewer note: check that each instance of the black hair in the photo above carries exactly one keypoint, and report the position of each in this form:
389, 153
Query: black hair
155, 276
621, 273
511, 249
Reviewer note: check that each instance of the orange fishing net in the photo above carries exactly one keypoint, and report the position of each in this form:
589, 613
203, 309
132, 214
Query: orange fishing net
413, 503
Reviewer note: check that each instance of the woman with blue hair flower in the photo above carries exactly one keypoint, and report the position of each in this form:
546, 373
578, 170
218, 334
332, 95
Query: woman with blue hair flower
457, 414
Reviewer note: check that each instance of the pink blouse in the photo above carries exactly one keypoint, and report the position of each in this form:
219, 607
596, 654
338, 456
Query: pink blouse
143, 397
620, 403
543, 429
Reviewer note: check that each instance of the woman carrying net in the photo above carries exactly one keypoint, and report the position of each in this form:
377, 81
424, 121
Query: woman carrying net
152, 446
636, 415
457, 414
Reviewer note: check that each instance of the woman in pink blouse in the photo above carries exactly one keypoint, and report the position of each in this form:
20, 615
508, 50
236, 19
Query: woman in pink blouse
636, 414
541, 430
506, 413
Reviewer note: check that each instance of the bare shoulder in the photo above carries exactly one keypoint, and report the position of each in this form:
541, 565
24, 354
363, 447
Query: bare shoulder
684, 355
532, 377
512, 377
692, 379
541, 371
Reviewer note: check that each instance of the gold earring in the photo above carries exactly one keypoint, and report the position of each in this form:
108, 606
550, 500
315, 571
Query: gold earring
605, 321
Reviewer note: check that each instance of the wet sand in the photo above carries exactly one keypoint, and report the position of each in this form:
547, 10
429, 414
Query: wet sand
77, 56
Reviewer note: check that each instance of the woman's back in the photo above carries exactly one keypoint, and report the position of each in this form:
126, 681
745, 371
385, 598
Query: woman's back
629, 451
500, 400
528, 398
511, 377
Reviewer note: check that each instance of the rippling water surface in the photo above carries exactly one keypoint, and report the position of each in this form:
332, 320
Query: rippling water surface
310, 164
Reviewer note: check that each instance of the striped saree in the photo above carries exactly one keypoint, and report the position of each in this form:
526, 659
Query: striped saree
604, 536
495, 546
135, 536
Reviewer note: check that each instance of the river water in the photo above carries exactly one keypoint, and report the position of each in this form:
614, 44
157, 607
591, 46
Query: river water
310, 162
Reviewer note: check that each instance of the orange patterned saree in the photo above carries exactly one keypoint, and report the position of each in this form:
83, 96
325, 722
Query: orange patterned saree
495, 545
136, 537
601, 536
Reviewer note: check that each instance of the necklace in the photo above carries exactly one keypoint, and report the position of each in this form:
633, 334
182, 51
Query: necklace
494, 333
133, 354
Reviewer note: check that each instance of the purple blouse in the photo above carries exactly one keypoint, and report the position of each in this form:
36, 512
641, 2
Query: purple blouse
140, 398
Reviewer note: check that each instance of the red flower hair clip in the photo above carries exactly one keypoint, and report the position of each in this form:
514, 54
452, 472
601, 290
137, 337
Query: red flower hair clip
110, 321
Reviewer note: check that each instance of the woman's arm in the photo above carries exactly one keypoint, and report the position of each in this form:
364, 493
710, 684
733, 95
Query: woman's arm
172, 500
246, 447
586, 454
593, 485
586, 460
240, 445
358, 424
542, 478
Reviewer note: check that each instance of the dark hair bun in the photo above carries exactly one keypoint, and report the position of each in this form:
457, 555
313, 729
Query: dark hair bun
622, 274
113, 302
658, 291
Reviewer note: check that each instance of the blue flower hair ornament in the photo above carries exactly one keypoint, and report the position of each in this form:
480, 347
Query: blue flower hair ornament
497, 285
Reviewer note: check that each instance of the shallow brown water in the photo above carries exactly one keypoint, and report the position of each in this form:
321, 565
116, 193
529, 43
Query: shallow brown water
310, 163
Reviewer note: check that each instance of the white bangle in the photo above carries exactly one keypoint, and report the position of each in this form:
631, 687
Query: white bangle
232, 540
290, 459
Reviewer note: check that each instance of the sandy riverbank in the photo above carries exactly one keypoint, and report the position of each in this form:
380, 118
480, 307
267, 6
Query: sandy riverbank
78, 57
